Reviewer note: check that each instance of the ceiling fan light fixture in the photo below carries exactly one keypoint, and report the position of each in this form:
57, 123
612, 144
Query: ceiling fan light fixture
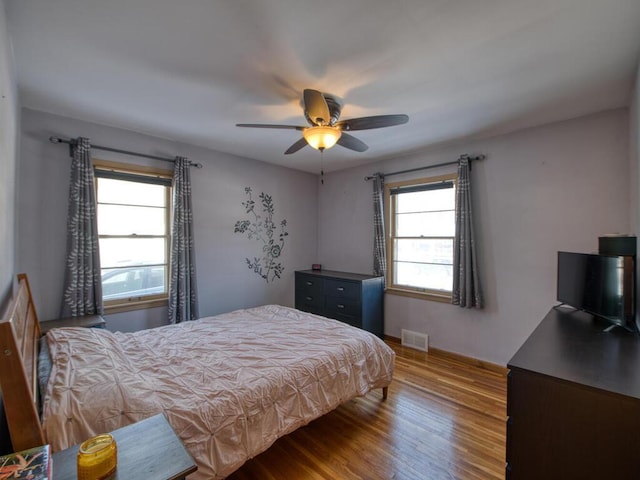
322, 137
322, 111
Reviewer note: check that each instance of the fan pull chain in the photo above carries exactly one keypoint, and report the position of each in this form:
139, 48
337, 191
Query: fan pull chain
322, 166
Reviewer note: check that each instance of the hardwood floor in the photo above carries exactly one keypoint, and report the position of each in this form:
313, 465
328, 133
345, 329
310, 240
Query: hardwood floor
443, 419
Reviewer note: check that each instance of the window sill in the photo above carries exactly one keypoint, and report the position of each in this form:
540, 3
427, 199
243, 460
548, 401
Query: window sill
442, 298
126, 306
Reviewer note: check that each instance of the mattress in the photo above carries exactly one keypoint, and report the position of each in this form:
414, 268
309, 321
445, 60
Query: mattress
230, 385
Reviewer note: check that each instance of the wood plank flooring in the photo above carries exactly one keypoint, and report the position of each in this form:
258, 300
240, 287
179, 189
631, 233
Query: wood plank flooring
444, 419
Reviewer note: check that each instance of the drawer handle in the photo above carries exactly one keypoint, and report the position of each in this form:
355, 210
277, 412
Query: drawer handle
309, 283
340, 289
340, 305
309, 298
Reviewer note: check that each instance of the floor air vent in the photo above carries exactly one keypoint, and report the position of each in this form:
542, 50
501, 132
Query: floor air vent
416, 340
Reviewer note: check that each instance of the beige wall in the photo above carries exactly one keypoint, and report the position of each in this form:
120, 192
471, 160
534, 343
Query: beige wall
224, 281
9, 123
540, 190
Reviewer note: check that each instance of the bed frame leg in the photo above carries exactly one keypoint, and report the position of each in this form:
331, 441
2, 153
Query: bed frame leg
385, 392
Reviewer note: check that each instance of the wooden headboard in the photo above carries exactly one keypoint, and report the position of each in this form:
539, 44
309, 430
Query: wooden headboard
19, 336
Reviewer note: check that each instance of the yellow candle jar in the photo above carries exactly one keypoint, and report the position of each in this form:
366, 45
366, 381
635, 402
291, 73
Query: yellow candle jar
97, 458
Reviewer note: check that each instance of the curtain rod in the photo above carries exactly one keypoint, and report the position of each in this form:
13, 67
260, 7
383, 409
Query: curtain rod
71, 143
471, 158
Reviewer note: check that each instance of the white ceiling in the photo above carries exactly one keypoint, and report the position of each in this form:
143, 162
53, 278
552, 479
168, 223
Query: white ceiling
190, 70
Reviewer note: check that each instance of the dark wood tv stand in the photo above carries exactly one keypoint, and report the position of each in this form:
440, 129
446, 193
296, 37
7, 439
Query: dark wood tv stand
573, 401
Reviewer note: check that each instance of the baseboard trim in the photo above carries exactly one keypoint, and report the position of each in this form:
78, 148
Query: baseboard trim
492, 367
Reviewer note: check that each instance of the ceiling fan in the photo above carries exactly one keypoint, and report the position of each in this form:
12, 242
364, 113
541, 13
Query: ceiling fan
322, 111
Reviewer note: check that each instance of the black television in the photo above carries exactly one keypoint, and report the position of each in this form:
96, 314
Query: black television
602, 285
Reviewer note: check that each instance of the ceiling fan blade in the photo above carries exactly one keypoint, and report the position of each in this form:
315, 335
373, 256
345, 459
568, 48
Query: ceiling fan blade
315, 107
377, 121
262, 125
352, 143
296, 146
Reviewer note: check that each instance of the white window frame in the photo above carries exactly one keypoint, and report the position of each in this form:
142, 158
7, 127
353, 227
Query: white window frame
390, 214
147, 301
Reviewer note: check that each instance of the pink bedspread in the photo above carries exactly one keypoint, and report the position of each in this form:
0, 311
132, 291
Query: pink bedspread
230, 385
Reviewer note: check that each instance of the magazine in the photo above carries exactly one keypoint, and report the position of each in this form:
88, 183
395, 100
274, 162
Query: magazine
32, 464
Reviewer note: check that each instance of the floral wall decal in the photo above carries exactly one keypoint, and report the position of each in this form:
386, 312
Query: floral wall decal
263, 229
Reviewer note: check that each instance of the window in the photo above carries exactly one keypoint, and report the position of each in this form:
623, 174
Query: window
133, 229
421, 231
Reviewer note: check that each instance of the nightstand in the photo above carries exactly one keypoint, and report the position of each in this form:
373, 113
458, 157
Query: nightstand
88, 321
149, 450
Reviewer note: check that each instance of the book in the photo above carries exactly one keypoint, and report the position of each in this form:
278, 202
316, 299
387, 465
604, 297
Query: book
31, 464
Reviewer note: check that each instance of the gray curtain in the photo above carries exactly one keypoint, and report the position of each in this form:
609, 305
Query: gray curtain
82, 284
466, 282
183, 298
379, 243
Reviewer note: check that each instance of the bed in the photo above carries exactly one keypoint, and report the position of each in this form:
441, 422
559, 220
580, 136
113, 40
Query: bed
230, 385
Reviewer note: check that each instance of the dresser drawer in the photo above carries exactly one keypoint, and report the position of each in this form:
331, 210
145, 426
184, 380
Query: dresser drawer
310, 308
309, 284
309, 303
348, 319
309, 295
342, 289
340, 306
